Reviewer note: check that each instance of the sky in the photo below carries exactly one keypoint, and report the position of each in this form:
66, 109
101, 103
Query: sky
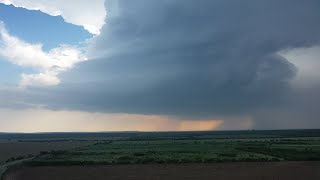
149, 65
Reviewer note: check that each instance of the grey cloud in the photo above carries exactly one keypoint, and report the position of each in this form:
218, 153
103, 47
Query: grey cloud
192, 58
301, 110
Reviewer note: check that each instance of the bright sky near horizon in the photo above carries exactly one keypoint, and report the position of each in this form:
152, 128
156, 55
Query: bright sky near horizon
147, 65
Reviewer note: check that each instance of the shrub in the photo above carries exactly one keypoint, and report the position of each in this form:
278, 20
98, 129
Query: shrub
44, 152
228, 154
124, 158
138, 154
56, 153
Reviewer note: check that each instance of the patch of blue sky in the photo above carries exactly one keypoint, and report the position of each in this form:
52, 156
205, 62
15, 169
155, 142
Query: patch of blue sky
38, 27
10, 73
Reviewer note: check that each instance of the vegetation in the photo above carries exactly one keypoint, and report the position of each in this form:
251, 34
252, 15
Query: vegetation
186, 151
157, 147
164, 147
13, 150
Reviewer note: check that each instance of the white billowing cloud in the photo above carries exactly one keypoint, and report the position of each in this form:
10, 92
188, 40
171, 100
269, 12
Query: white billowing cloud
307, 61
87, 13
50, 64
42, 79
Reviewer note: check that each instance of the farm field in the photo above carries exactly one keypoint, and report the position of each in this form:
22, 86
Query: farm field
19, 146
217, 150
13, 149
163, 147
221, 171
186, 151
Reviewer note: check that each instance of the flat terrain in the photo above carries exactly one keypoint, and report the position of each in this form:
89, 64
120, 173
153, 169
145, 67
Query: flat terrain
17, 149
263, 155
222, 171
186, 151
18, 146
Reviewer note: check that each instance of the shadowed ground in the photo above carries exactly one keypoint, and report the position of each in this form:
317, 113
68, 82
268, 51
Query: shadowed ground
221, 171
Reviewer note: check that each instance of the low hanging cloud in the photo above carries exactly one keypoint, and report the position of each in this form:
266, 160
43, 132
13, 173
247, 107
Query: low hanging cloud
49, 64
88, 14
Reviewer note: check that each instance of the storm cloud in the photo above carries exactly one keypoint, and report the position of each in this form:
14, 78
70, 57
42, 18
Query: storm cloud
194, 59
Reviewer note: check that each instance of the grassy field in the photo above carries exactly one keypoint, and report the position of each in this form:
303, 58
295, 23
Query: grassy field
16, 151
19, 150
19, 146
64, 149
160, 151
164, 147
152, 151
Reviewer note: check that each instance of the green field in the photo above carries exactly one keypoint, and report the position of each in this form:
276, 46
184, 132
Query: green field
181, 150
157, 147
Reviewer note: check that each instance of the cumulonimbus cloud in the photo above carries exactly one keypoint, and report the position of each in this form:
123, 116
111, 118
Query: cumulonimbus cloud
90, 14
197, 60
194, 58
49, 64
